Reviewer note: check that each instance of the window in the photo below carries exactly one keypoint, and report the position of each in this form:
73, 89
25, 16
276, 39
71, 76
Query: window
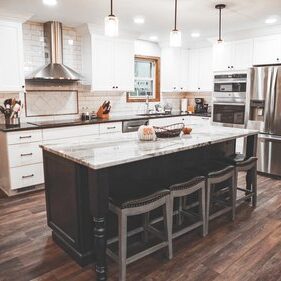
147, 79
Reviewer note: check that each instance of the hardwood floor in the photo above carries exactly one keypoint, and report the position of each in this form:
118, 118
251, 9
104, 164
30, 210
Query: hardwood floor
248, 249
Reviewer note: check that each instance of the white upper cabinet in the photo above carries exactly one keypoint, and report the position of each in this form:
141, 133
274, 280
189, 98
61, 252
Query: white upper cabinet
236, 55
112, 64
174, 70
11, 56
267, 50
200, 70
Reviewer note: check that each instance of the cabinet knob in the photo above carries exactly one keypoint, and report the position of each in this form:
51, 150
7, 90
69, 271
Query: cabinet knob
228, 67
232, 66
113, 87
116, 87
278, 59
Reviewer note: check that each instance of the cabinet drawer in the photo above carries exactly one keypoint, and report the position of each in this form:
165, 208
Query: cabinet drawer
115, 127
24, 137
70, 132
26, 176
24, 154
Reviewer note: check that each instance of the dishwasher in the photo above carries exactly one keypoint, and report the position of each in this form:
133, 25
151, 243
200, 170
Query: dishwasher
133, 125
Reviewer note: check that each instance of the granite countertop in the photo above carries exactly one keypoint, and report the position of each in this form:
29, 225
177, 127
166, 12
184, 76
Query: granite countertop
78, 122
107, 151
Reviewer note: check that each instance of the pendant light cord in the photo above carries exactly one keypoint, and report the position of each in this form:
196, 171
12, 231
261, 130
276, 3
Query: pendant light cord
220, 25
111, 8
176, 10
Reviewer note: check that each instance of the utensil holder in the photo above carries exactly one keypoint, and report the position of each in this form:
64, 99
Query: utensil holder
101, 115
12, 122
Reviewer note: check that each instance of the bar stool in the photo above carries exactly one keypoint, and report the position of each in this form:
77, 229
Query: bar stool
181, 190
137, 205
248, 165
218, 173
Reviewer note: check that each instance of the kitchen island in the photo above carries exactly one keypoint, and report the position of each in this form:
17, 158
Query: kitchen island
80, 176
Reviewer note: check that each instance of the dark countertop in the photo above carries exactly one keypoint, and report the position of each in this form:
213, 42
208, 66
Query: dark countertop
78, 122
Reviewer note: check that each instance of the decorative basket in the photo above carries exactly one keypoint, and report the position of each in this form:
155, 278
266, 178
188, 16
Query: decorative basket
169, 131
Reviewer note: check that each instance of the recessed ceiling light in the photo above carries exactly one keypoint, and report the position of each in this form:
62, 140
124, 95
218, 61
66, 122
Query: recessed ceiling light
153, 38
139, 20
271, 20
195, 34
50, 2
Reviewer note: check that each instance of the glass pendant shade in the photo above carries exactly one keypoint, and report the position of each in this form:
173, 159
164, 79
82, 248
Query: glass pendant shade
111, 26
175, 38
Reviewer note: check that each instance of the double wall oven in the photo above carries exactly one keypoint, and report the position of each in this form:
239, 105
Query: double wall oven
229, 99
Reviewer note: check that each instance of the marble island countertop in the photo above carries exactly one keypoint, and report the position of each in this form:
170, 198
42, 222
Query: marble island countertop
108, 151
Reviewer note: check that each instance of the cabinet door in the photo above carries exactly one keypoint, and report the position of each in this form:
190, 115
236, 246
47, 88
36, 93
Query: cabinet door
193, 70
124, 65
102, 64
170, 69
205, 73
11, 57
267, 50
243, 54
184, 70
222, 56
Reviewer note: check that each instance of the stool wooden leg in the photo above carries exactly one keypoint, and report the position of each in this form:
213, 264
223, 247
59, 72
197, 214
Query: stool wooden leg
180, 210
234, 193
248, 184
208, 201
168, 224
254, 186
145, 226
202, 210
122, 245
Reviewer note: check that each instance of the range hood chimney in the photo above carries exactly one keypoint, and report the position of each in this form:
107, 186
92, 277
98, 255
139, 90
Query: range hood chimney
55, 70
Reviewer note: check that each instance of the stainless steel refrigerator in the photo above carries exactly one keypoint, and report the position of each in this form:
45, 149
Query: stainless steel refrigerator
265, 115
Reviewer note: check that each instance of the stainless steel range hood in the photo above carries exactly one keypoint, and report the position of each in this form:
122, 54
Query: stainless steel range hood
55, 70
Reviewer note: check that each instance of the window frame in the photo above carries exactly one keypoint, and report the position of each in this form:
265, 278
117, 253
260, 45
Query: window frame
156, 98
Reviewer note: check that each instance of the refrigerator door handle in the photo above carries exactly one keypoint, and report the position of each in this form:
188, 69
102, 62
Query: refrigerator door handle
269, 76
272, 99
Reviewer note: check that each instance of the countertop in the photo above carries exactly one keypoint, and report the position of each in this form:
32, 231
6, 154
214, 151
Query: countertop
104, 151
78, 122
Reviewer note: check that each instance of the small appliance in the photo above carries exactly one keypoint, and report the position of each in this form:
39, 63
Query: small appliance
200, 107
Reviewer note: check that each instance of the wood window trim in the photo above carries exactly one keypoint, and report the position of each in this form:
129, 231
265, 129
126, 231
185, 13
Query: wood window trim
157, 79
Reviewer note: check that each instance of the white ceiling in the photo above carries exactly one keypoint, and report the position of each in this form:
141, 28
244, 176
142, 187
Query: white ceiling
194, 15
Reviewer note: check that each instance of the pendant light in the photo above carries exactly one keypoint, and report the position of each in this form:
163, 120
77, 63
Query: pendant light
111, 23
220, 7
175, 35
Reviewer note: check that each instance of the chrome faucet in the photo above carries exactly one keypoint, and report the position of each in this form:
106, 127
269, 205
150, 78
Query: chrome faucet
147, 103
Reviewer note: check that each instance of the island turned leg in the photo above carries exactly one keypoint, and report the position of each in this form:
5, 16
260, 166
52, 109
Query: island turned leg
98, 189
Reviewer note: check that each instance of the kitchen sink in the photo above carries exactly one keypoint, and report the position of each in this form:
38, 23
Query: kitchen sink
154, 114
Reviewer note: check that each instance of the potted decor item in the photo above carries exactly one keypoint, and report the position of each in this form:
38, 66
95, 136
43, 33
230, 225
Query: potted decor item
146, 133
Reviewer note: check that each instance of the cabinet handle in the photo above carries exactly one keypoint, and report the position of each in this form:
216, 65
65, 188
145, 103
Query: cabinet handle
113, 87
278, 59
116, 87
109, 128
26, 154
232, 66
228, 67
28, 176
25, 137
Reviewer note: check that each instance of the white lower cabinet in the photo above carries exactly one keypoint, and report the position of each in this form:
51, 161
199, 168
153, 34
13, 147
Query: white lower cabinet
24, 154
112, 127
24, 176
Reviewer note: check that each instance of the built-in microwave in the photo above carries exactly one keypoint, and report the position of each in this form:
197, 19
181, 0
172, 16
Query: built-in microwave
236, 83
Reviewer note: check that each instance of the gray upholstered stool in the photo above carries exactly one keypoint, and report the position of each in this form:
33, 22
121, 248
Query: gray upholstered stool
249, 166
133, 207
216, 174
181, 191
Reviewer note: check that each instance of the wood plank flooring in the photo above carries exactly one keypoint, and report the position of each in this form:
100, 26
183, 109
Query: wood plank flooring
248, 249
